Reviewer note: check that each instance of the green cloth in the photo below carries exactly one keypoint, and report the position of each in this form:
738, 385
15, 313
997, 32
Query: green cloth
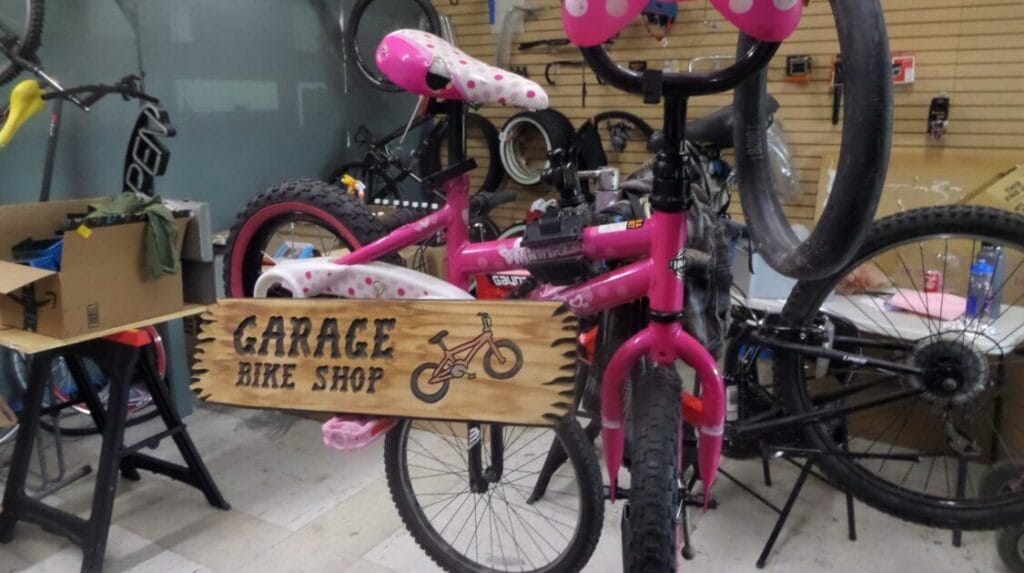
162, 257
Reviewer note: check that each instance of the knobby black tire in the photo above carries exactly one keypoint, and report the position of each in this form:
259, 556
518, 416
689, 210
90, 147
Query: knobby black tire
651, 514
580, 451
1009, 542
476, 124
361, 54
30, 40
863, 155
326, 203
801, 307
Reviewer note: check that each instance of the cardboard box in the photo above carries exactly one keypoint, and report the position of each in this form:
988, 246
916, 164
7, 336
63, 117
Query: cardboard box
928, 177
1005, 191
102, 282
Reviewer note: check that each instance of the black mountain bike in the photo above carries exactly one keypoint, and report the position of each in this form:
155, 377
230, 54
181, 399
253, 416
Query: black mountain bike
387, 163
17, 55
21, 33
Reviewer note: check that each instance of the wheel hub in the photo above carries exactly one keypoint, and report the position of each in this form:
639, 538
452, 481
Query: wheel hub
953, 374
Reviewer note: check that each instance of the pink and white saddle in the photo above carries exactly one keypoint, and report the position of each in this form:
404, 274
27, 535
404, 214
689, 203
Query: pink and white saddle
424, 64
592, 22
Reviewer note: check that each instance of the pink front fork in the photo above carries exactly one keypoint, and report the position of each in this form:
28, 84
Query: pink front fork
664, 342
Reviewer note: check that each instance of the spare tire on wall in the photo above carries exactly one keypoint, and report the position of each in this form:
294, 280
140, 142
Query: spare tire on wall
526, 138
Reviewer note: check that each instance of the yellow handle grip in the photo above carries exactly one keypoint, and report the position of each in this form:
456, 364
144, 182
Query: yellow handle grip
26, 101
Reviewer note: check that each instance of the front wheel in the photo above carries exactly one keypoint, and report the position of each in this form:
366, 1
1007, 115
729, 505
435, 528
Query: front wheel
513, 363
290, 220
421, 386
651, 519
1010, 544
500, 529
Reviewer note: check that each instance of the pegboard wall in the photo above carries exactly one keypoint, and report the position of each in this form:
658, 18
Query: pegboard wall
970, 50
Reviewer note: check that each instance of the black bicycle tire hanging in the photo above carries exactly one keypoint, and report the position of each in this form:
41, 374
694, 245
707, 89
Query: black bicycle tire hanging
865, 142
476, 124
362, 55
625, 117
556, 129
28, 41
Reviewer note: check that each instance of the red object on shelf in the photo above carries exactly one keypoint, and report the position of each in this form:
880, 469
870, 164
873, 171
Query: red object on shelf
903, 68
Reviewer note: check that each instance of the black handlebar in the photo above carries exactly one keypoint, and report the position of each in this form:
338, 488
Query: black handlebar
127, 88
674, 83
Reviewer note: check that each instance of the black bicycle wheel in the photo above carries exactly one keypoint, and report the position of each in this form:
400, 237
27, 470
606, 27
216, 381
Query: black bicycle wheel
527, 138
21, 30
371, 20
379, 185
863, 155
76, 420
499, 529
651, 518
13, 374
290, 216
922, 428
482, 145
621, 131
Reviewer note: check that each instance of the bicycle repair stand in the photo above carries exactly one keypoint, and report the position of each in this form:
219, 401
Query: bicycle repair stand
118, 355
811, 458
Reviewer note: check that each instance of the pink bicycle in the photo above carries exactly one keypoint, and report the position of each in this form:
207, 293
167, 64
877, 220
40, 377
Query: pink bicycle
490, 497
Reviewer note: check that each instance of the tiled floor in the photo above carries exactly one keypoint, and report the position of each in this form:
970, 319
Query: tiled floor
300, 507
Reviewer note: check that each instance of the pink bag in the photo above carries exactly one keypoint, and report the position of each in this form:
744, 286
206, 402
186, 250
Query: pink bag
767, 20
591, 22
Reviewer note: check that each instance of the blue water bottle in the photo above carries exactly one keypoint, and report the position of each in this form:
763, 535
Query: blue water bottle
979, 291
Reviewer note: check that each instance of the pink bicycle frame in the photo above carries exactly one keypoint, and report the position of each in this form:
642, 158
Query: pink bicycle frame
655, 243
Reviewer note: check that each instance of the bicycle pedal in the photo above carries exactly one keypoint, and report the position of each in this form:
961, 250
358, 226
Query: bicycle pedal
620, 492
470, 376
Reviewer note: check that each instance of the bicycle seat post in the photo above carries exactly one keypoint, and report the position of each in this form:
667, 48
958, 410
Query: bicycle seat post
456, 132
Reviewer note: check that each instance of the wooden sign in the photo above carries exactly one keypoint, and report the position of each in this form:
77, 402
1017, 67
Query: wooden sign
488, 361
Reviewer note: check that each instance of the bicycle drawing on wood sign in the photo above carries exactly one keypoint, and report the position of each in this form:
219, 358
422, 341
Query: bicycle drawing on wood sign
456, 361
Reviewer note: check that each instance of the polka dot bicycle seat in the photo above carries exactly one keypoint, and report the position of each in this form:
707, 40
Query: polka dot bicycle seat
591, 22
427, 65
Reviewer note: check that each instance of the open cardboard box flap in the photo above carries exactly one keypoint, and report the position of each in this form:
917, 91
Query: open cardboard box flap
102, 283
14, 276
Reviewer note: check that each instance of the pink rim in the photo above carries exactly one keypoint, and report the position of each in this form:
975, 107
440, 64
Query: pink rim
252, 224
